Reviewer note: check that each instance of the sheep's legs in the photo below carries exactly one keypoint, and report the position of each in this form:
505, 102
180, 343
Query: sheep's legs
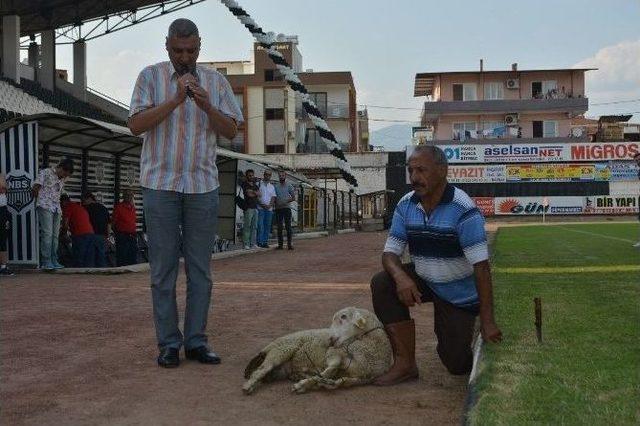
270, 362
313, 382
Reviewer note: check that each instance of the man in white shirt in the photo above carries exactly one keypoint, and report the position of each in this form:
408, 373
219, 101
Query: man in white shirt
265, 209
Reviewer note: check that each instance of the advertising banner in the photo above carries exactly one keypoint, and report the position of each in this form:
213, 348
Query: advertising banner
477, 174
536, 205
611, 204
539, 152
623, 170
556, 172
486, 205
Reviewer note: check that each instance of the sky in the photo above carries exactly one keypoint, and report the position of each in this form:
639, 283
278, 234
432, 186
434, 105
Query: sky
384, 44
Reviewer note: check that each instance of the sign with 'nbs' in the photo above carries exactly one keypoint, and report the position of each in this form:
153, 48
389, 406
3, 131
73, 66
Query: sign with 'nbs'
19, 194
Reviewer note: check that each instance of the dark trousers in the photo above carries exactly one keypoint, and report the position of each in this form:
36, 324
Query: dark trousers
453, 325
126, 249
100, 242
284, 215
83, 250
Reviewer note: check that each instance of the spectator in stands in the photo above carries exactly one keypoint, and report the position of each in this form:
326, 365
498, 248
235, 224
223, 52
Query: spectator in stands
285, 195
636, 158
124, 226
251, 193
450, 268
4, 227
47, 189
180, 183
100, 222
266, 205
76, 221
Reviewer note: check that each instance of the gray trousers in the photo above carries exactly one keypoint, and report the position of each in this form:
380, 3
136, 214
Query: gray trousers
178, 221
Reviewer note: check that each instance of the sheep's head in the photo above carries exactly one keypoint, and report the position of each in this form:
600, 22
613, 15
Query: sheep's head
349, 323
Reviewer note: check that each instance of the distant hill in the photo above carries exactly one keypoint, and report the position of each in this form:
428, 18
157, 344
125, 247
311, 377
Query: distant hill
394, 138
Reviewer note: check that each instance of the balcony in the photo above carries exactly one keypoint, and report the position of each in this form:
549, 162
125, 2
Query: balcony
331, 112
433, 110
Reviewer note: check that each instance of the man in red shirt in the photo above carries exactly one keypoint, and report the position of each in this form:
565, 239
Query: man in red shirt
123, 221
77, 221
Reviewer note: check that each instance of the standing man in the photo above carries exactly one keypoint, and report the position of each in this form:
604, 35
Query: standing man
124, 225
450, 268
636, 158
4, 228
100, 221
181, 108
48, 189
251, 193
285, 194
265, 209
76, 221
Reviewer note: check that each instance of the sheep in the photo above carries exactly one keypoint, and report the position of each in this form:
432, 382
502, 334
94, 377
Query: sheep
353, 351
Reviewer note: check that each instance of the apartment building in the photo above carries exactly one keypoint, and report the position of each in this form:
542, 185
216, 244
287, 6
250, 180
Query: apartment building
514, 103
275, 122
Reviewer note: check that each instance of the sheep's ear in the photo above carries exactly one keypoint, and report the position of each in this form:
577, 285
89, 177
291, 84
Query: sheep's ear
360, 321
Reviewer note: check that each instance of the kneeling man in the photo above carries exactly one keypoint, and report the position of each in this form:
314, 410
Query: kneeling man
450, 268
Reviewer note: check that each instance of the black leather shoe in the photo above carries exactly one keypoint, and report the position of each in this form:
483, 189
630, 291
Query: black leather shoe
202, 354
169, 358
290, 248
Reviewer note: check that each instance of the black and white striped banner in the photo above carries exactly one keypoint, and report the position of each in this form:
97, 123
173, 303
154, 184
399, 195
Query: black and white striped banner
267, 41
19, 163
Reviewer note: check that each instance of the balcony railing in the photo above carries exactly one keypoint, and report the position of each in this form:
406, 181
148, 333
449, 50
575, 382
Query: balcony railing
576, 105
331, 112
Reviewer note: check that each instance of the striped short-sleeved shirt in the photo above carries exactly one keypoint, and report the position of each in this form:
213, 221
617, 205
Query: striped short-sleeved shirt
443, 245
179, 154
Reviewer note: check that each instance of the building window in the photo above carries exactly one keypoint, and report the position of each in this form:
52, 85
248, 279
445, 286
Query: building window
272, 75
537, 129
274, 114
464, 92
313, 143
320, 99
222, 71
493, 90
275, 149
464, 131
550, 129
493, 129
544, 89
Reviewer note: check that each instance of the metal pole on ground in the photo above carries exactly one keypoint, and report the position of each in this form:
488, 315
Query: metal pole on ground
538, 312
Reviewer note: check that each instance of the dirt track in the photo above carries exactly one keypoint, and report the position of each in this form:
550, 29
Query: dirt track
81, 349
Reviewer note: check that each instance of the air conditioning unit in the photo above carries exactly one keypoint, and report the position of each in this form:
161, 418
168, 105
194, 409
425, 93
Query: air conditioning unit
511, 119
513, 83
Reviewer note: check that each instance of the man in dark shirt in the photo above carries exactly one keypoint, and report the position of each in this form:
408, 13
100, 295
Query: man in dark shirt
125, 227
76, 221
99, 217
251, 193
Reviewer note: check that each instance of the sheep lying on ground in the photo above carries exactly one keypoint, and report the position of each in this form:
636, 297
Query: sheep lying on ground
353, 351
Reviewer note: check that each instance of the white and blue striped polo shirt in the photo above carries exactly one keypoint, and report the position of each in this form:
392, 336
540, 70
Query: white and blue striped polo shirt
444, 245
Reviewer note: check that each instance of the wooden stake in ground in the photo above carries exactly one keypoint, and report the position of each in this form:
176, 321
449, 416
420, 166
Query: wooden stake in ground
538, 308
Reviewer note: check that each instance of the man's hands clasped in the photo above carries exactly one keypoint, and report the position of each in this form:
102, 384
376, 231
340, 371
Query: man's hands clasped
188, 82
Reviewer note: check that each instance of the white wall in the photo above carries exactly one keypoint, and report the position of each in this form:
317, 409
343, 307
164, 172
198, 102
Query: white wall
255, 120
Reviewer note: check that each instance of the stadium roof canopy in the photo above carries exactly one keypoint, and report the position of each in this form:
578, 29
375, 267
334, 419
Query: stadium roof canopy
41, 15
87, 134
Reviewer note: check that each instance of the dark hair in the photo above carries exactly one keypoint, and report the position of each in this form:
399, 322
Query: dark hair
182, 28
249, 171
64, 197
67, 165
438, 155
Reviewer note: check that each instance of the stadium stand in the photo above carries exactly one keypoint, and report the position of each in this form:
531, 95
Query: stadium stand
29, 97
